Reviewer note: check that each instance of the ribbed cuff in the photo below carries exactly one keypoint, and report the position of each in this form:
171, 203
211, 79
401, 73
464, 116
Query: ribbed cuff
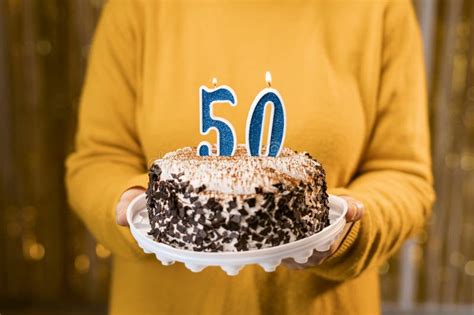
351, 236
342, 263
346, 243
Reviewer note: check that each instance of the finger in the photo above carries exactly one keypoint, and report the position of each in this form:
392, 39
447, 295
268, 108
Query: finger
351, 212
318, 257
355, 209
360, 211
125, 199
120, 212
131, 193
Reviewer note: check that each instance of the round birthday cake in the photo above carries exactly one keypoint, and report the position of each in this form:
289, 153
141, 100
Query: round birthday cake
235, 203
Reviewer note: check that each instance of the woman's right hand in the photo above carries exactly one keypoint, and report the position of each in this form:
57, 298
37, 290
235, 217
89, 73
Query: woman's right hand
125, 199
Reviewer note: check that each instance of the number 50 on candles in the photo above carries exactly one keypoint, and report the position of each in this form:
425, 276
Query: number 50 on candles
226, 140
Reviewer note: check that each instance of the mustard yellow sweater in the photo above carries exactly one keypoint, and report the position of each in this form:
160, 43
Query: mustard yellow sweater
351, 75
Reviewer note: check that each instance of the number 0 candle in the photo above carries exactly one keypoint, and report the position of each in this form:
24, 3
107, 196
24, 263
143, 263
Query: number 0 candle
277, 128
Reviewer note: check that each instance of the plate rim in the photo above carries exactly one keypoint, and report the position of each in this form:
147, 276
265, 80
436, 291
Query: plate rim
279, 249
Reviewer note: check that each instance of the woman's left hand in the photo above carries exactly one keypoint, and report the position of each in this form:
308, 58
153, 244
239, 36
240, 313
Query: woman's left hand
354, 213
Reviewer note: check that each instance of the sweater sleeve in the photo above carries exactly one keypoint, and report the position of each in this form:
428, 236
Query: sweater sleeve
108, 157
394, 178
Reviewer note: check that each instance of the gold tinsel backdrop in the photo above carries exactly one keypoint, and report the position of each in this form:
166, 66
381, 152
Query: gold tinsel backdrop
50, 264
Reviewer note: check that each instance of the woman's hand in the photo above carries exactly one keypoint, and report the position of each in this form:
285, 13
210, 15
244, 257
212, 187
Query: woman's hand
125, 199
354, 213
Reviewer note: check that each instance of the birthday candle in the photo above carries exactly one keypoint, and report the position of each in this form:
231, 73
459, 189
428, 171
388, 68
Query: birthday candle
226, 143
254, 130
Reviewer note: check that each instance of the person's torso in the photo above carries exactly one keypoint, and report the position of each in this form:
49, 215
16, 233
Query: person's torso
324, 57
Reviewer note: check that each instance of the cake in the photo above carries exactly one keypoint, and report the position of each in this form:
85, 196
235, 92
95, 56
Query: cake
236, 203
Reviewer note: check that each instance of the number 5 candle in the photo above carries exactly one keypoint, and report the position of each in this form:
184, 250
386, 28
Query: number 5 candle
226, 144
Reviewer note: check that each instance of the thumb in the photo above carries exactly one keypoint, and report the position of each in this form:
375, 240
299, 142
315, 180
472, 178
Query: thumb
122, 205
355, 209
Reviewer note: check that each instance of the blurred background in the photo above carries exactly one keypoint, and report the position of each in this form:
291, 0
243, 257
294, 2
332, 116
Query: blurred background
50, 264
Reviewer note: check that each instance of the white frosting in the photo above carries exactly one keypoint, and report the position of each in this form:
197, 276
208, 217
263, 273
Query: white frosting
239, 174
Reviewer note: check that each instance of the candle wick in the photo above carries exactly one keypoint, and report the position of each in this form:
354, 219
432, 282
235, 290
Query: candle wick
214, 82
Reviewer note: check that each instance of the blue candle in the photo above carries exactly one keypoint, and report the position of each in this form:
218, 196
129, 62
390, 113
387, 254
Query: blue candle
254, 131
226, 143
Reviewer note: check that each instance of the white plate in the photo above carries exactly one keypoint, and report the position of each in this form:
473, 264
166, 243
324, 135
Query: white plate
232, 262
